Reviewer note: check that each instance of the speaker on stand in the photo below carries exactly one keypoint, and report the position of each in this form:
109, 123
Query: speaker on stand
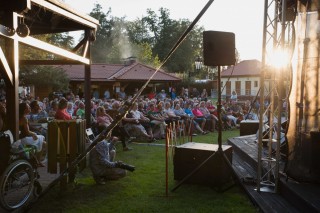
218, 50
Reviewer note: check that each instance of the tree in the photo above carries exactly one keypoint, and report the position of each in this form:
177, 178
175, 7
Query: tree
162, 32
103, 43
45, 75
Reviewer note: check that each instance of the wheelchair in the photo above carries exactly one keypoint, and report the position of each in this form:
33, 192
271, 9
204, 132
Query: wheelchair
19, 176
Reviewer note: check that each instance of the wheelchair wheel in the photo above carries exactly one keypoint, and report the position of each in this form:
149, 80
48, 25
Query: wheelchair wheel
16, 184
37, 188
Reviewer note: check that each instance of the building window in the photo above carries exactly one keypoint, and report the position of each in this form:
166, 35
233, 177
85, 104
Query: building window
255, 83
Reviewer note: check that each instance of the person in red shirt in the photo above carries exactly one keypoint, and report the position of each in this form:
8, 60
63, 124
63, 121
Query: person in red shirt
62, 113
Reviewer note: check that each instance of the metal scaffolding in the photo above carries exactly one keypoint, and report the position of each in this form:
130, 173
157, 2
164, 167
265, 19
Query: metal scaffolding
278, 34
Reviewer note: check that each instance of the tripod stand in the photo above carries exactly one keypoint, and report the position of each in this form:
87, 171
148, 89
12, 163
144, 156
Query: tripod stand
219, 155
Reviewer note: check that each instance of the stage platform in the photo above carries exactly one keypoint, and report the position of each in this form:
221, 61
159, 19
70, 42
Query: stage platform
292, 197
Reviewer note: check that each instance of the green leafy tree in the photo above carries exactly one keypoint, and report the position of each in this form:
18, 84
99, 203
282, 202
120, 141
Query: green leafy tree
45, 75
114, 43
162, 32
101, 47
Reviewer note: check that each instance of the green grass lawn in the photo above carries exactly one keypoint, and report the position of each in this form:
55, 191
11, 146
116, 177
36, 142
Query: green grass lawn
144, 190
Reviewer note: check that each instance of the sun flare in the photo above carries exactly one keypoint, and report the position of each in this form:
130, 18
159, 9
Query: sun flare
279, 58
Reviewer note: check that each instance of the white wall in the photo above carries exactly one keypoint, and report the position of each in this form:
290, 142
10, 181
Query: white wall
243, 80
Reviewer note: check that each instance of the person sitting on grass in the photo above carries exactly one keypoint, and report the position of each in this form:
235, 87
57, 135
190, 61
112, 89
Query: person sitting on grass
102, 164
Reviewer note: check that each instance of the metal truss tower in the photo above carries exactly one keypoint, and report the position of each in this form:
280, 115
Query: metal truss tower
278, 37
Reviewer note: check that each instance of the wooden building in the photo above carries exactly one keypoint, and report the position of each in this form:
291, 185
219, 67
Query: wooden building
129, 75
244, 78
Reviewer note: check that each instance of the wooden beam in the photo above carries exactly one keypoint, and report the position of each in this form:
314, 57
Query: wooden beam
32, 42
85, 48
5, 66
12, 91
79, 45
49, 62
36, 43
58, 10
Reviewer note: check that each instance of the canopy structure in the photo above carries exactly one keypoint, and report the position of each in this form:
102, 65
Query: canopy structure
20, 22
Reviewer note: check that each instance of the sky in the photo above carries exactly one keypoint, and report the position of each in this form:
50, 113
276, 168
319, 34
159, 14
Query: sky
243, 18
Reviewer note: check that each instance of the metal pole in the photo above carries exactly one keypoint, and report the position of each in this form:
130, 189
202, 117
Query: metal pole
219, 106
280, 94
261, 123
167, 156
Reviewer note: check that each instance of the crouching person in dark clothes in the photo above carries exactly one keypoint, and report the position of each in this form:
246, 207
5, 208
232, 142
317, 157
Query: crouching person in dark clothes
102, 164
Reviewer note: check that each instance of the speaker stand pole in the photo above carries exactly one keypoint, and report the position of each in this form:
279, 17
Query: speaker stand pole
220, 152
219, 106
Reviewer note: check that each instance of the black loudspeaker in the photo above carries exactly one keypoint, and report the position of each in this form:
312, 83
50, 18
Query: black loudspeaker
218, 48
214, 172
249, 127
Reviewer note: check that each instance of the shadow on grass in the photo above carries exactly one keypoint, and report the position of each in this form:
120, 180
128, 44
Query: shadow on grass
144, 190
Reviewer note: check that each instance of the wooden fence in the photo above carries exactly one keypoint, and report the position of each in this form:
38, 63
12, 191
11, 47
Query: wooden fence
66, 141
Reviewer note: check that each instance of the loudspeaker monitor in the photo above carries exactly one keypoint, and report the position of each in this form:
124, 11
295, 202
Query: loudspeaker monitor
218, 48
214, 172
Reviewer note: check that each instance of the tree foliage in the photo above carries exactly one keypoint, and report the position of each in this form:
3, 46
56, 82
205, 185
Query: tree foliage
56, 78
161, 33
149, 39
101, 47
45, 75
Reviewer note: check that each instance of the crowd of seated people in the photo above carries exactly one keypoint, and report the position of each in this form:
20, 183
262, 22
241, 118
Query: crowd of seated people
149, 116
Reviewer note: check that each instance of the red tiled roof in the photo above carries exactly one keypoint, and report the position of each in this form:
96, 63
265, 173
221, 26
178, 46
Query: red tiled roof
138, 71
117, 72
99, 72
244, 68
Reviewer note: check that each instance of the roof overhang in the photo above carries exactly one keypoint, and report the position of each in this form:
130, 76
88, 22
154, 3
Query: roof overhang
46, 16
36, 17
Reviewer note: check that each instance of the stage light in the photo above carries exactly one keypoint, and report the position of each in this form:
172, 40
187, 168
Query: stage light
23, 30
